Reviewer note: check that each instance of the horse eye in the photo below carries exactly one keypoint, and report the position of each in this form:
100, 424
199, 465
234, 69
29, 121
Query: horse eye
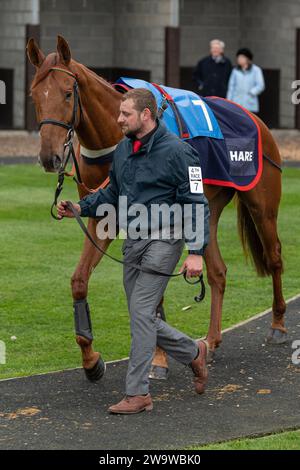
68, 95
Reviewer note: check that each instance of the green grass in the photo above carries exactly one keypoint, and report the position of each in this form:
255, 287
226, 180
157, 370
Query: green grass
283, 441
39, 255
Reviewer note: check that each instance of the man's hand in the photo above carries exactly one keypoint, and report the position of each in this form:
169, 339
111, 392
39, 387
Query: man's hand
63, 211
193, 265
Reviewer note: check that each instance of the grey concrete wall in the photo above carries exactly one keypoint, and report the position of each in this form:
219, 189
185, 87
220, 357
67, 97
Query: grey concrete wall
269, 28
204, 20
86, 24
101, 33
139, 37
111, 33
15, 14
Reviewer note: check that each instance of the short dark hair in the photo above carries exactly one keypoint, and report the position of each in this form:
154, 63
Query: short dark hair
246, 52
142, 99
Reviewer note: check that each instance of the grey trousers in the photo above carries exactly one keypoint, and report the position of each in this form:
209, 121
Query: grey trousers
144, 292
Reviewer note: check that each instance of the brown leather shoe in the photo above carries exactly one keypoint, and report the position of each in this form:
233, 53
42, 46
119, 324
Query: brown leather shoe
132, 405
199, 367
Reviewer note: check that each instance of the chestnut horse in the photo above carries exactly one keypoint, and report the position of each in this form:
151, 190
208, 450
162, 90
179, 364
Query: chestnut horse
95, 123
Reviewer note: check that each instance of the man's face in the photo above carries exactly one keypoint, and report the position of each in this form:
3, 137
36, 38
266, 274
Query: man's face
129, 118
216, 49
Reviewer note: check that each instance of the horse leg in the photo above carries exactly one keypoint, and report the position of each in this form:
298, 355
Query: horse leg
263, 210
277, 333
93, 365
159, 368
216, 269
91, 361
263, 203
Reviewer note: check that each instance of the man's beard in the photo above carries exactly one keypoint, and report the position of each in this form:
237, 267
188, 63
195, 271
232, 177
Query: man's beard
131, 134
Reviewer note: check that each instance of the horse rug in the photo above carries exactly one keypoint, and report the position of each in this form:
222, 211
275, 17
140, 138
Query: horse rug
226, 135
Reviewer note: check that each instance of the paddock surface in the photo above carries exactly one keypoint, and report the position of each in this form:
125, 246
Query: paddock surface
253, 389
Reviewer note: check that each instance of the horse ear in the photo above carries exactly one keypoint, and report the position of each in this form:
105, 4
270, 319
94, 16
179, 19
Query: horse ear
63, 50
34, 53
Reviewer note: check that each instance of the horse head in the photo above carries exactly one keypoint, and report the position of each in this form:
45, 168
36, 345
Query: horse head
55, 94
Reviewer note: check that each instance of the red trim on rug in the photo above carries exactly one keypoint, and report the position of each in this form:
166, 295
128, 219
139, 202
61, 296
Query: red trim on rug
162, 91
126, 88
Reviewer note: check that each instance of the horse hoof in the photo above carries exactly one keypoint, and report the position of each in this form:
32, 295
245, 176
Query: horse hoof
276, 336
96, 372
158, 373
210, 356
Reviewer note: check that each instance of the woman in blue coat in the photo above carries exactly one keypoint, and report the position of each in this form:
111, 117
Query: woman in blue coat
246, 81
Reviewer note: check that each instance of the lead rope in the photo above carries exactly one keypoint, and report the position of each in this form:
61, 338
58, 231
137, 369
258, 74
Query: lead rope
143, 269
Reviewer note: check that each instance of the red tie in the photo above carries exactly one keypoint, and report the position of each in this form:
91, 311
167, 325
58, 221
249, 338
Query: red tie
136, 146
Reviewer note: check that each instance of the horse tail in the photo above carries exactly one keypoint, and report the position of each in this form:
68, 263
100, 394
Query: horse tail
250, 240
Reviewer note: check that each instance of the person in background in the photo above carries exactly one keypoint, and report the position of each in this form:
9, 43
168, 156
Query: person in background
246, 81
212, 73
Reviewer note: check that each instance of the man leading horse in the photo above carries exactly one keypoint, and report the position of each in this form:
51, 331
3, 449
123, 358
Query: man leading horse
152, 166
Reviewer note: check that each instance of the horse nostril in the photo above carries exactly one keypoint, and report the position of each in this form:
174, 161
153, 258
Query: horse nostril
56, 162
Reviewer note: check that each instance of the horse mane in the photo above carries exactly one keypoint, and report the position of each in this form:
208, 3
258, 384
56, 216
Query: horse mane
98, 78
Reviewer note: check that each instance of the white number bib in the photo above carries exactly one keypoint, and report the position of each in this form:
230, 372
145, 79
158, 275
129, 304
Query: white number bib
195, 177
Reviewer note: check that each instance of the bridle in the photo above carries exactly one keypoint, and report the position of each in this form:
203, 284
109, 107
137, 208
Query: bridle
62, 173
70, 126
69, 139
77, 104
